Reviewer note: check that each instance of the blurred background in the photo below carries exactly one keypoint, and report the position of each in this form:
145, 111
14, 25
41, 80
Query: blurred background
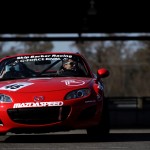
127, 60
85, 26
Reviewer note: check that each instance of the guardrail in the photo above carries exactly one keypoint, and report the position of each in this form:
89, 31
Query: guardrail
129, 112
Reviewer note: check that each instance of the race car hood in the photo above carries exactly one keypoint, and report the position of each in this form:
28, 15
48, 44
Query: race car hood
43, 84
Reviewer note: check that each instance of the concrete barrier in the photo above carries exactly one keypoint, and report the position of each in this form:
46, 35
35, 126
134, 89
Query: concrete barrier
129, 112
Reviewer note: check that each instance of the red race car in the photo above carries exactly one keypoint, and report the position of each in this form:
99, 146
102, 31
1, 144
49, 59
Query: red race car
50, 92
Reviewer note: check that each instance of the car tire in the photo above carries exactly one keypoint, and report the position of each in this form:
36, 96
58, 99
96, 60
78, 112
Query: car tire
103, 127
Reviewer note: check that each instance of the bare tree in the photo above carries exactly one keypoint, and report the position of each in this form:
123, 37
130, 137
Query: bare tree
127, 75
24, 46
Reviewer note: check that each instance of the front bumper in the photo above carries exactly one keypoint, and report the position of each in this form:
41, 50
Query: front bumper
67, 117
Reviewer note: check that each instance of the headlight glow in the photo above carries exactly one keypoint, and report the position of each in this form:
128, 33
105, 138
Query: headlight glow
5, 99
77, 94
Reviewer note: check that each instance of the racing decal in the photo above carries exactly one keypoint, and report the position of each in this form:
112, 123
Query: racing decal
42, 57
90, 101
62, 55
15, 86
100, 85
73, 82
37, 104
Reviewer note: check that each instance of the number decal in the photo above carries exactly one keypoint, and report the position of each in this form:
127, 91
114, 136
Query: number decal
73, 82
15, 86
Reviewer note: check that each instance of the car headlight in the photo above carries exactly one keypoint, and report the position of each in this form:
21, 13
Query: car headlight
78, 94
5, 99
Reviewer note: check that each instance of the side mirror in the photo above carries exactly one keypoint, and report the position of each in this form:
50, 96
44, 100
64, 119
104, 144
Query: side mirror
102, 73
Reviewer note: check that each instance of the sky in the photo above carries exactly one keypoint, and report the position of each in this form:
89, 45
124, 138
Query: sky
64, 46
58, 45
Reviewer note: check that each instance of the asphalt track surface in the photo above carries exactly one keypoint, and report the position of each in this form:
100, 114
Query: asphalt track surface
126, 139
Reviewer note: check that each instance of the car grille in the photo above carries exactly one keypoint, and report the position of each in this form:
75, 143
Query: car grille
44, 115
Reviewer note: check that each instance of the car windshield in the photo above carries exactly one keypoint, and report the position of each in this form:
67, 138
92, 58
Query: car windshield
42, 65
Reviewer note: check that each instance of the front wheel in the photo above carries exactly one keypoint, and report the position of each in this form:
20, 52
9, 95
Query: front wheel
103, 127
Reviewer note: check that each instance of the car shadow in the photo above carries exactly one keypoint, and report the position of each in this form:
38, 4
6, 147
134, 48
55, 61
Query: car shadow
75, 138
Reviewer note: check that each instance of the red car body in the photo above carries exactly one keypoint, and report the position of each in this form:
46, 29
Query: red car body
47, 102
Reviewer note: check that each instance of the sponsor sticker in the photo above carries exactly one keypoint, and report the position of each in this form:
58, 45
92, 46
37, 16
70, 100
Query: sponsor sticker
73, 82
37, 104
15, 86
90, 101
42, 57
